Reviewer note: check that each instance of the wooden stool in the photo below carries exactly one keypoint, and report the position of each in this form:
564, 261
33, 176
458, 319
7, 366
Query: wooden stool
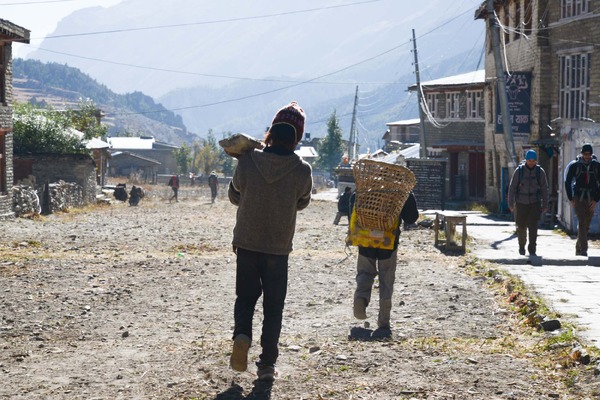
450, 220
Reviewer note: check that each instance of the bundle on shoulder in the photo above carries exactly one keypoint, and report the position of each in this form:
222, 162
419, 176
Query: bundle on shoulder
240, 143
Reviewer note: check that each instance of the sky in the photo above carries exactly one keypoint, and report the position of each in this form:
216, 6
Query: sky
42, 16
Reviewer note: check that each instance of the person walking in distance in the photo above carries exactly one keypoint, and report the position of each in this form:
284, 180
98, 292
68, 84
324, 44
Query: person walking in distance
269, 186
375, 262
174, 184
528, 199
213, 183
582, 186
343, 205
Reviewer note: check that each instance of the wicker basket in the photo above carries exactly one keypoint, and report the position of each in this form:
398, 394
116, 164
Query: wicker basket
381, 191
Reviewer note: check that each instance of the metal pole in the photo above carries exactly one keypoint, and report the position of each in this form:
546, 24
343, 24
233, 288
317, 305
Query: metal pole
501, 85
422, 144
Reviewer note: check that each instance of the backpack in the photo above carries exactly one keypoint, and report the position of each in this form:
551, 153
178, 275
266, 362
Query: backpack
538, 173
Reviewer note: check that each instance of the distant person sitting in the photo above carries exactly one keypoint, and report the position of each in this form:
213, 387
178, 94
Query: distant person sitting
343, 205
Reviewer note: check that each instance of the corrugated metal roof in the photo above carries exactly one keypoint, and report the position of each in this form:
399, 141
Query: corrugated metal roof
307, 152
131, 143
470, 78
405, 122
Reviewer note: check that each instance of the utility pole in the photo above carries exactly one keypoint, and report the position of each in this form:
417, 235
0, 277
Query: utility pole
422, 143
353, 138
501, 85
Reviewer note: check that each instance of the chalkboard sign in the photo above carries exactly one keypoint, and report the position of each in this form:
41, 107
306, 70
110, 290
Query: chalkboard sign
431, 183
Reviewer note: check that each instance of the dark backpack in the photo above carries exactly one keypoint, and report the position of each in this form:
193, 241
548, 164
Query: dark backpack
538, 174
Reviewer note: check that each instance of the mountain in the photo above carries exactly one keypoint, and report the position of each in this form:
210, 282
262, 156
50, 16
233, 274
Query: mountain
62, 86
229, 65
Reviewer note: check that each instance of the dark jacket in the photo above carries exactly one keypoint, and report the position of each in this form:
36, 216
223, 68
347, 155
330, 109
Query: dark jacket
408, 215
587, 180
344, 202
174, 182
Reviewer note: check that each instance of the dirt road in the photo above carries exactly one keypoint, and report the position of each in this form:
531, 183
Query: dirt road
127, 302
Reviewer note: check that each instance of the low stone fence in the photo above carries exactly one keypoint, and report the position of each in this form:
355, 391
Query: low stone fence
28, 200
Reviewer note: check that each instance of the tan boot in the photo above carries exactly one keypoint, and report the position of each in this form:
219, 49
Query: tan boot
360, 308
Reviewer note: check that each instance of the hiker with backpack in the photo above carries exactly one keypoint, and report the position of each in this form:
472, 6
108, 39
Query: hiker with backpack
582, 186
528, 199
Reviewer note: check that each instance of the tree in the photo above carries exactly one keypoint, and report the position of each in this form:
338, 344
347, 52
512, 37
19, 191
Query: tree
86, 119
209, 155
331, 148
182, 156
38, 131
228, 163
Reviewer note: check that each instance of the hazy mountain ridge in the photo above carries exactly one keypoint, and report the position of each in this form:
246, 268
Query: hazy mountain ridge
221, 65
63, 86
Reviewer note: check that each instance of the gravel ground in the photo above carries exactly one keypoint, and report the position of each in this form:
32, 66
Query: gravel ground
119, 302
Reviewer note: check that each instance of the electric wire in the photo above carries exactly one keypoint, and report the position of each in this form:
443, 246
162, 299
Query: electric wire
210, 22
293, 83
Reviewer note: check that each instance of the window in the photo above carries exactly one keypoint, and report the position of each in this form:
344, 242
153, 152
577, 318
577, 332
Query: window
572, 8
574, 86
432, 104
473, 104
452, 105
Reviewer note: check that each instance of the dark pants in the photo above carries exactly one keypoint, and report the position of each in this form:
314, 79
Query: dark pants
267, 274
213, 193
584, 212
527, 218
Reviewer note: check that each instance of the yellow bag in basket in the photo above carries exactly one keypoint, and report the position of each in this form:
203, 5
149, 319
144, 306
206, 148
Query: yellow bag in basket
365, 237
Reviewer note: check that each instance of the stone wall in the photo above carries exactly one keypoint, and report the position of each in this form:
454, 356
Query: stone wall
75, 168
27, 200
6, 126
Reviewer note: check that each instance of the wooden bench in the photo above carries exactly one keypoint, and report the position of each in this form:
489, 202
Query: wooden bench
450, 221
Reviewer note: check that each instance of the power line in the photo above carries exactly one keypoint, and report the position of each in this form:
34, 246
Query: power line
203, 74
220, 21
25, 3
293, 83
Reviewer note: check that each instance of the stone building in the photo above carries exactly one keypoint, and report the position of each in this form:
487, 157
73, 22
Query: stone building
454, 130
9, 33
147, 148
552, 59
401, 134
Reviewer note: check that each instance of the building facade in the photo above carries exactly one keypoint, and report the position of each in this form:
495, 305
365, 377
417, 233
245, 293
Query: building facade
454, 130
9, 33
552, 46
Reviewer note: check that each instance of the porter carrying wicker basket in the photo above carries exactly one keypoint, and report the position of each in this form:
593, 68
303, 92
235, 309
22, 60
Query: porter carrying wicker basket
381, 191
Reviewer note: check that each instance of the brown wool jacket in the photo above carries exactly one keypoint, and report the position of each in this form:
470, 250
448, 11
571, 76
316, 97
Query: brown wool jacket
268, 189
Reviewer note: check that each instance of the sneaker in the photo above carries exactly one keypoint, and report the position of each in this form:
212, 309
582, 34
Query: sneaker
583, 253
239, 355
532, 254
522, 252
360, 308
266, 372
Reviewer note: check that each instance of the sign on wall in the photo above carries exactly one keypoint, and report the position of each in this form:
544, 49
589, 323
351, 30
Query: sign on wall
431, 182
518, 90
